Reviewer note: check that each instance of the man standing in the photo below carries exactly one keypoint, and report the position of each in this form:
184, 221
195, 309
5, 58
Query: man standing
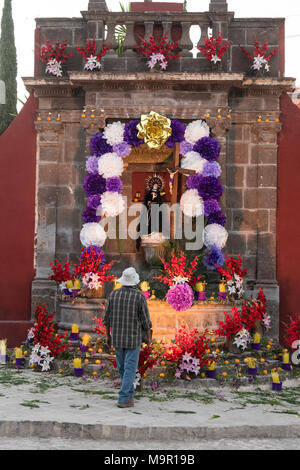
126, 320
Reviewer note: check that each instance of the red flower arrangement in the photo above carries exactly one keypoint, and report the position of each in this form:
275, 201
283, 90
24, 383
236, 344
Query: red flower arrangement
99, 328
61, 272
54, 56
45, 331
92, 59
188, 342
214, 48
231, 267
251, 312
178, 268
92, 261
292, 335
147, 360
159, 52
259, 57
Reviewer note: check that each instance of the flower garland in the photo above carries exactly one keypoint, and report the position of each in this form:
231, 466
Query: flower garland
92, 59
260, 58
103, 184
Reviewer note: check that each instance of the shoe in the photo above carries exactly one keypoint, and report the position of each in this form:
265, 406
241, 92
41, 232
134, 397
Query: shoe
126, 404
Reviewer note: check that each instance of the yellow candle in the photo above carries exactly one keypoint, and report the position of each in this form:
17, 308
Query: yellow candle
222, 286
77, 284
19, 353
286, 358
75, 329
275, 377
3, 347
257, 338
251, 363
86, 339
117, 285
69, 284
77, 363
200, 286
211, 366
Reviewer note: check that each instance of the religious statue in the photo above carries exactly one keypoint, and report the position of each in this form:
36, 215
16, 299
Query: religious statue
154, 196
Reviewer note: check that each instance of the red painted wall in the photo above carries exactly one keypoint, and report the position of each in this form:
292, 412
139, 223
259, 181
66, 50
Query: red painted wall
17, 196
288, 218
157, 6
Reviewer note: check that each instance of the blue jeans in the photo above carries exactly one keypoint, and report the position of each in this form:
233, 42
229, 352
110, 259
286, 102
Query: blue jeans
127, 363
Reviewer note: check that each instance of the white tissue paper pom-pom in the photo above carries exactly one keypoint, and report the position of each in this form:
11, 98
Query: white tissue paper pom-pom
195, 131
193, 161
112, 204
92, 234
110, 164
114, 133
191, 203
215, 234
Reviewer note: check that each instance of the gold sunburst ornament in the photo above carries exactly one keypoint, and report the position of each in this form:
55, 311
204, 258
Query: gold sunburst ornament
154, 129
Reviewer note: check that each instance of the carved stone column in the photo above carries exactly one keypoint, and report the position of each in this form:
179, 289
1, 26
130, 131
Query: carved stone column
48, 133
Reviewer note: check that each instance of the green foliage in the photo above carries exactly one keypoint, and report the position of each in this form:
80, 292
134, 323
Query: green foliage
121, 30
8, 67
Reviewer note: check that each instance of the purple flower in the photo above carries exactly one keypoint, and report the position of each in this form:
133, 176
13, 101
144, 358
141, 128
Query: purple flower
180, 297
89, 215
212, 169
178, 130
193, 181
208, 148
211, 206
122, 149
217, 218
131, 132
213, 258
185, 147
94, 184
99, 146
114, 185
210, 188
94, 201
92, 165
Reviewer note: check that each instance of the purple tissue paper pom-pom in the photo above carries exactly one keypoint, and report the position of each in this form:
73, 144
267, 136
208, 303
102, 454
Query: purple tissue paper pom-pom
217, 218
212, 169
114, 184
89, 215
180, 297
178, 131
131, 132
94, 184
92, 164
213, 258
210, 188
193, 181
185, 147
211, 206
122, 149
208, 148
94, 201
99, 146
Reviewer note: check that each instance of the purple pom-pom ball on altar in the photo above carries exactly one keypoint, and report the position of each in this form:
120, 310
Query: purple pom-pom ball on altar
217, 218
208, 148
122, 149
114, 185
180, 297
89, 215
99, 146
94, 184
92, 165
209, 188
212, 169
211, 206
94, 201
178, 131
213, 258
131, 132
185, 147
193, 181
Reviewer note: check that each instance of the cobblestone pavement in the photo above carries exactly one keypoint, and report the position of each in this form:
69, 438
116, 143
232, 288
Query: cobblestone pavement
223, 444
